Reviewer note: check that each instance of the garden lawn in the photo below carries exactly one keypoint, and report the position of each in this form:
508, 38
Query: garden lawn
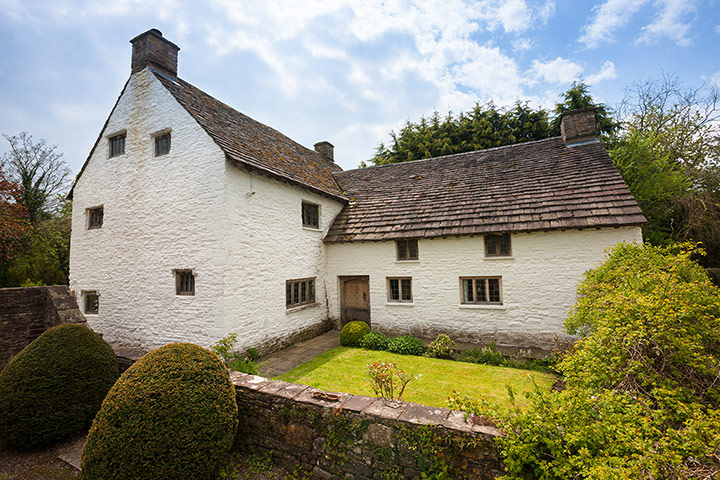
344, 369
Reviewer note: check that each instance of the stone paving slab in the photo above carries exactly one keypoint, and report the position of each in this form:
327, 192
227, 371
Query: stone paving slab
295, 355
72, 454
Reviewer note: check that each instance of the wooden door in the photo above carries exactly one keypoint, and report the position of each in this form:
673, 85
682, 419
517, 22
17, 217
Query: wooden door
355, 302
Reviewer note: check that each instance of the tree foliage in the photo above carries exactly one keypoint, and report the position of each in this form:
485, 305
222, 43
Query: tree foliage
485, 126
642, 397
577, 97
13, 215
37, 251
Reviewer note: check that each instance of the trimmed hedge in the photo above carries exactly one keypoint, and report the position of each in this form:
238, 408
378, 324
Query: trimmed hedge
171, 415
374, 341
406, 345
352, 332
53, 388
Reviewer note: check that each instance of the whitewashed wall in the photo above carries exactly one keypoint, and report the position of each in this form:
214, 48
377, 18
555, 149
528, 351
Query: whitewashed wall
160, 213
539, 283
265, 245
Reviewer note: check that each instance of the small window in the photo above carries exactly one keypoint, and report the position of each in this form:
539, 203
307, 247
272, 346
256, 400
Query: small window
407, 249
310, 215
481, 290
162, 144
92, 302
497, 245
299, 292
400, 290
94, 217
117, 145
184, 282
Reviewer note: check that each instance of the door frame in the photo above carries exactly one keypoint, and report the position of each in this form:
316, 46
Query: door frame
341, 284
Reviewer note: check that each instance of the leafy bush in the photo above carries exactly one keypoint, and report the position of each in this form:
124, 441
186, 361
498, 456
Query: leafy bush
244, 365
352, 332
441, 347
253, 354
642, 397
388, 380
171, 415
406, 345
374, 341
487, 355
224, 348
53, 388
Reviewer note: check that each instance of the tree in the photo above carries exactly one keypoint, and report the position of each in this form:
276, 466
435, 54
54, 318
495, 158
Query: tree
577, 97
13, 215
41, 172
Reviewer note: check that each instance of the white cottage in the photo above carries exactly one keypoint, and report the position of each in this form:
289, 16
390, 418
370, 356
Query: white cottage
192, 220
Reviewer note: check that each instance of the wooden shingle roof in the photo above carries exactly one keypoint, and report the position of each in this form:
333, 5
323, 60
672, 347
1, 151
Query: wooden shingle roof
540, 185
254, 144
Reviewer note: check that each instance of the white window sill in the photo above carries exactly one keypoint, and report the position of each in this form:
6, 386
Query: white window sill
91, 314
311, 229
500, 258
301, 307
400, 304
407, 261
482, 307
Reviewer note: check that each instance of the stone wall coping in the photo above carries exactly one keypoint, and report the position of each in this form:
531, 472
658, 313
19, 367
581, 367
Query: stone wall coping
405, 412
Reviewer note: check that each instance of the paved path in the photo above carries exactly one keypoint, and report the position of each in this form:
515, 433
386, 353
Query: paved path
295, 355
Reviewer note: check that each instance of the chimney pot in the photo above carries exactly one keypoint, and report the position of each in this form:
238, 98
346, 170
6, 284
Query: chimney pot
151, 49
326, 149
578, 126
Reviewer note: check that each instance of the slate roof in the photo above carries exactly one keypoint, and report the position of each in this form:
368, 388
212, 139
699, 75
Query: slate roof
540, 185
254, 144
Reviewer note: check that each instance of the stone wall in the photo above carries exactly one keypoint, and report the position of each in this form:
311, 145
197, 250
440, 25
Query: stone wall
358, 437
25, 313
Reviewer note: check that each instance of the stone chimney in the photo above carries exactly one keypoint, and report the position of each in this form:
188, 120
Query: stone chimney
578, 126
326, 149
151, 49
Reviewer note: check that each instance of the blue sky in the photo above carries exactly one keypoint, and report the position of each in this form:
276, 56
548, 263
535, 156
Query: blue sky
343, 71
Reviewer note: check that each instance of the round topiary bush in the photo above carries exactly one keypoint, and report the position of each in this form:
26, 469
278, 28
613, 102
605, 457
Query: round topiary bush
171, 415
53, 388
352, 332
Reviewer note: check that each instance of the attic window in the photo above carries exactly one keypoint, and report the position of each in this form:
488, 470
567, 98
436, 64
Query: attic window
92, 302
310, 215
406, 249
184, 282
117, 145
162, 144
497, 245
94, 218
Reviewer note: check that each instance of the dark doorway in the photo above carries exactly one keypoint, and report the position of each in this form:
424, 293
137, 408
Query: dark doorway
355, 299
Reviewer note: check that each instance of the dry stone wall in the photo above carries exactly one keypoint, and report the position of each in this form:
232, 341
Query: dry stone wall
358, 437
25, 313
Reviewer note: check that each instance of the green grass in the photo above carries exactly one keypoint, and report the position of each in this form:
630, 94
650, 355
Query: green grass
343, 369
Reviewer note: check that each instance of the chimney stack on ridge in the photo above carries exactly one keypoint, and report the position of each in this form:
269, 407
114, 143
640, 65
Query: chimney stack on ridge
151, 49
326, 149
578, 126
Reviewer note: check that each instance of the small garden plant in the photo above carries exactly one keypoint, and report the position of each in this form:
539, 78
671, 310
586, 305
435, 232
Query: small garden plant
225, 349
441, 347
406, 345
388, 380
375, 341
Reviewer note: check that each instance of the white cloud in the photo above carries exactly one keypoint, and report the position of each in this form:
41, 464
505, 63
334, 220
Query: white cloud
521, 44
558, 71
672, 22
609, 17
607, 72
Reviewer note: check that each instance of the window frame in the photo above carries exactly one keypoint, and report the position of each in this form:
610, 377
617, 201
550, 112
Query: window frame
181, 289
401, 290
303, 205
86, 294
299, 287
90, 214
463, 300
498, 245
111, 139
407, 242
159, 136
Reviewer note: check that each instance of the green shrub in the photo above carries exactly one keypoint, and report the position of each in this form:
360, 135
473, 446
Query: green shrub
374, 341
352, 332
171, 415
642, 397
441, 347
406, 345
487, 355
244, 365
53, 388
